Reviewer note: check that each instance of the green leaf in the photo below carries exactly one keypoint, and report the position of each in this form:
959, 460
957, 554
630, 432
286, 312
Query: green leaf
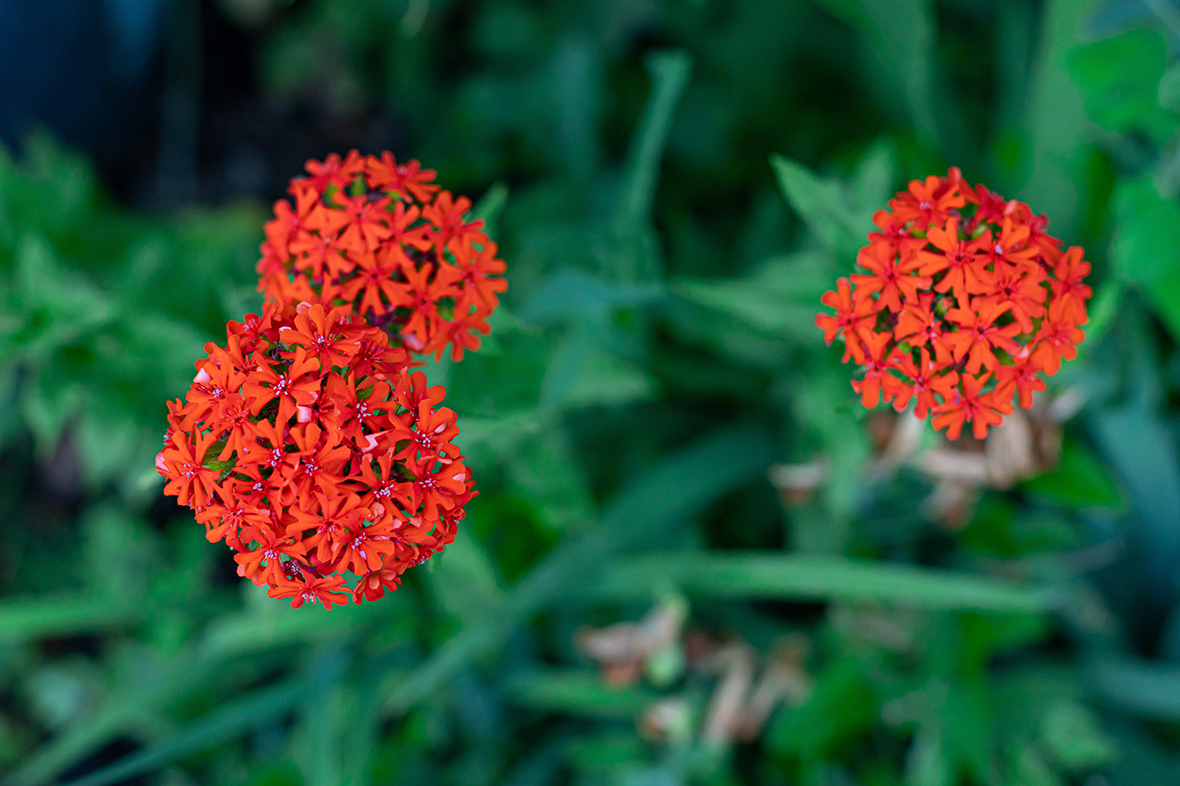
1074, 734
34, 618
1120, 79
1145, 250
1078, 481
1138, 446
781, 297
842, 707
806, 577
643, 509
577, 693
669, 73
605, 380
901, 33
465, 582
1150, 690
546, 470
825, 206
1168, 92
224, 723
490, 206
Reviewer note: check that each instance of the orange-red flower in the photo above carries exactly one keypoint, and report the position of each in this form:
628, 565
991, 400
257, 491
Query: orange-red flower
381, 238
966, 302
312, 450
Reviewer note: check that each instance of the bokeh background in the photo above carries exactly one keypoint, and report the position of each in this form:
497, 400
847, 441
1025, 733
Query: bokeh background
695, 558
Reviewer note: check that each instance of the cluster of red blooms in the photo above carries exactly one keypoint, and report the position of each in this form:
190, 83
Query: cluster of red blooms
380, 236
308, 443
965, 302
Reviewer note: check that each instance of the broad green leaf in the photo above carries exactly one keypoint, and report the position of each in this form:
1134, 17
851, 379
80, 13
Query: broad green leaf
807, 577
1168, 92
608, 381
1120, 82
1145, 250
546, 471
490, 206
1055, 123
465, 582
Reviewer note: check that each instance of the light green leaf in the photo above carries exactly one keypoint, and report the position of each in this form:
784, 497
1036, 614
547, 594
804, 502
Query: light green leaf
577, 693
781, 297
1120, 79
806, 577
1074, 734
1145, 250
825, 206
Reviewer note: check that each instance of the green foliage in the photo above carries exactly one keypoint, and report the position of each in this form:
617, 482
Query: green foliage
655, 357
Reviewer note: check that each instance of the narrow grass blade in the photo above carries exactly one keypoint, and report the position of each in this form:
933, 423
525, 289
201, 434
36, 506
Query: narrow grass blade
794, 576
225, 723
645, 508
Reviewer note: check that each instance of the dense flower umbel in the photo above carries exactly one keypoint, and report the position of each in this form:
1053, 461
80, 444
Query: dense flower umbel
965, 302
381, 237
308, 445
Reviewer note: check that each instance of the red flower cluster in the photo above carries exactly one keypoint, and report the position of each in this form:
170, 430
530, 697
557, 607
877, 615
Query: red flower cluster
965, 302
306, 442
379, 236
308, 446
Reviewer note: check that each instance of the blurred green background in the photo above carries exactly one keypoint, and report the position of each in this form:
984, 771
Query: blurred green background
695, 558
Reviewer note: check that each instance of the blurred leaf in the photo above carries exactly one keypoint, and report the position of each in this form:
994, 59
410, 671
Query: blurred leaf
1078, 481
780, 298
1074, 734
465, 581
224, 723
825, 206
490, 206
608, 381
842, 707
643, 509
1169, 88
669, 74
65, 615
1146, 247
1144, 688
901, 33
798, 576
1145, 457
577, 693
1120, 82
546, 469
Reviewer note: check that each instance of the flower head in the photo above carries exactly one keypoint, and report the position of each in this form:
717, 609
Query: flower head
313, 450
965, 303
380, 237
